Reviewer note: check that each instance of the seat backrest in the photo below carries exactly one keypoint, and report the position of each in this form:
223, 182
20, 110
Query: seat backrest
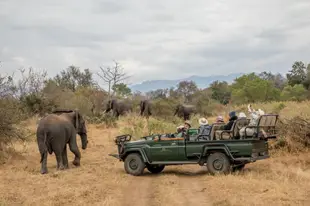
239, 123
215, 126
267, 123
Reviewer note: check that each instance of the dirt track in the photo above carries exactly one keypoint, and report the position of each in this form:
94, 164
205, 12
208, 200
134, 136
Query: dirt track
101, 180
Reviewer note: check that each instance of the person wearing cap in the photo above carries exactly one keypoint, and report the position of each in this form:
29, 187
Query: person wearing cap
232, 118
204, 128
253, 121
182, 129
219, 119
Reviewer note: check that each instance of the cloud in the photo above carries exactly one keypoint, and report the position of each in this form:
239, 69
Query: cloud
155, 39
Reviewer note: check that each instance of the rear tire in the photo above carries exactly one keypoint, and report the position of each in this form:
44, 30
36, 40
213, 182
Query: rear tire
155, 169
218, 163
134, 164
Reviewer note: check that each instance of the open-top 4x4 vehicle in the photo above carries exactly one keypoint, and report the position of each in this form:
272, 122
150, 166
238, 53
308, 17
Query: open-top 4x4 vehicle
224, 154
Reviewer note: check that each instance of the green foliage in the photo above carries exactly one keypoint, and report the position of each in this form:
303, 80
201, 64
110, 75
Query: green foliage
186, 89
121, 90
278, 107
251, 88
139, 127
221, 92
297, 75
72, 77
294, 93
107, 119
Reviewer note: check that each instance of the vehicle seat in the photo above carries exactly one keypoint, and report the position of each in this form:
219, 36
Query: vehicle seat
239, 123
215, 126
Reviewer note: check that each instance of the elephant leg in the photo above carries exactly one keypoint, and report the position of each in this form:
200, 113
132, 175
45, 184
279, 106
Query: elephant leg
75, 150
60, 165
44, 163
65, 158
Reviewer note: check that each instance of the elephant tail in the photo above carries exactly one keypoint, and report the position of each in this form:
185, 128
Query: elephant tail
46, 147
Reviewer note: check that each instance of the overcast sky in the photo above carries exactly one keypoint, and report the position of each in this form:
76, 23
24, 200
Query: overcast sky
162, 39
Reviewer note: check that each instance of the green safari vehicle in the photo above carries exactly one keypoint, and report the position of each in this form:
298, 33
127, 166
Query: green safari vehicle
222, 155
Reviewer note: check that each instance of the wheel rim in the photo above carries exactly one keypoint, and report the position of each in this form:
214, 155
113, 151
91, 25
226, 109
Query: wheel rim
218, 164
133, 164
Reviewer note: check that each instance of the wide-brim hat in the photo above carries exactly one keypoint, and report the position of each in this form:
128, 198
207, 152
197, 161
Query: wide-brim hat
187, 122
203, 121
241, 114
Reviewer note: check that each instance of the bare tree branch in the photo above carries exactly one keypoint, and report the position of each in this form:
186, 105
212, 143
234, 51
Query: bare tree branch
112, 76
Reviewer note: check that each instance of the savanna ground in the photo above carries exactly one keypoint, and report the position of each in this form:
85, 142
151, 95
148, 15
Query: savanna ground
284, 179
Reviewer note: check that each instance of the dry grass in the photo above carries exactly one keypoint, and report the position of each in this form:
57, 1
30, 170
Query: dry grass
283, 179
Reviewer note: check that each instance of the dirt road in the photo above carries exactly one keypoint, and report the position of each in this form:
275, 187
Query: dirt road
101, 180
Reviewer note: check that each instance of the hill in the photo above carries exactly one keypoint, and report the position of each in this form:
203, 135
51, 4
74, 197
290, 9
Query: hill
201, 81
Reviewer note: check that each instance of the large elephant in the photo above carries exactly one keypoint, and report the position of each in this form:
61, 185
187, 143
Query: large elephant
55, 131
145, 108
184, 111
119, 107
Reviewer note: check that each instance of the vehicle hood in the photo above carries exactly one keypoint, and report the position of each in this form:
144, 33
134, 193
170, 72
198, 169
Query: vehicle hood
135, 142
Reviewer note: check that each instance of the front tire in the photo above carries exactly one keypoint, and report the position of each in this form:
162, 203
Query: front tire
218, 163
155, 169
134, 164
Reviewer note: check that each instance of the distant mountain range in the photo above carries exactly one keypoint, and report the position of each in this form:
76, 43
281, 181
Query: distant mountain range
202, 82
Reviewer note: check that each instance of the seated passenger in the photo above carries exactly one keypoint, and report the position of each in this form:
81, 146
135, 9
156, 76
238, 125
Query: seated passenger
232, 118
253, 121
182, 130
241, 115
219, 119
204, 128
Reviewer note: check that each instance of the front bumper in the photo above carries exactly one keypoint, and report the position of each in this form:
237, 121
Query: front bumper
117, 156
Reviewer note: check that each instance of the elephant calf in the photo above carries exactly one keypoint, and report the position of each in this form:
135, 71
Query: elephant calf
55, 131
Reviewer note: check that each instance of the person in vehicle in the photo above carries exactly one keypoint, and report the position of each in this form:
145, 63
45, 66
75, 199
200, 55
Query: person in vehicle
204, 128
232, 118
241, 115
219, 119
253, 121
182, 129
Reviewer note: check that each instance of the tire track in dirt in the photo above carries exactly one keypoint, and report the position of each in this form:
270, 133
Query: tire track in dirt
139, 191
193, 192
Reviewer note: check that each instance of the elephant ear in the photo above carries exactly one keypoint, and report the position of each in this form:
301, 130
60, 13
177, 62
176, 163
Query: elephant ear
79, 123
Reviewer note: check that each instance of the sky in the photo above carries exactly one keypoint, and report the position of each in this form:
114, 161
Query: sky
162, 39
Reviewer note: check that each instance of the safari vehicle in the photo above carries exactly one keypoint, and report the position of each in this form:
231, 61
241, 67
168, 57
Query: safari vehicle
222, 155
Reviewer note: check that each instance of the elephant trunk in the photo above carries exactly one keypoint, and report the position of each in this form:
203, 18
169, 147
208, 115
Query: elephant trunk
84, 140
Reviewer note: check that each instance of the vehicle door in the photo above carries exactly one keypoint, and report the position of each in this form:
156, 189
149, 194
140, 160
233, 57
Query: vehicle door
165, 149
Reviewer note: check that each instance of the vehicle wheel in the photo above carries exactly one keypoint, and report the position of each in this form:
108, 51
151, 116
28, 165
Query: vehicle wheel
134, 164
218, 163
238, 167
155, 169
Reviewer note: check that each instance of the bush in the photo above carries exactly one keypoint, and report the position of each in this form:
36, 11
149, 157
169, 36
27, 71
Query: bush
138, 126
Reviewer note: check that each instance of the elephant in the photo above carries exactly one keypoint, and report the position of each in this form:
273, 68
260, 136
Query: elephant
119, 107
145, 108
185, 111
55, 131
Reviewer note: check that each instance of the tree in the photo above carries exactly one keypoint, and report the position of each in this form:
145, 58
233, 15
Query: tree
121, 89
112, 76
187, 89
157, 94
251, 88
72, 77
276, 79
295, 93
298, 74
220, 91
